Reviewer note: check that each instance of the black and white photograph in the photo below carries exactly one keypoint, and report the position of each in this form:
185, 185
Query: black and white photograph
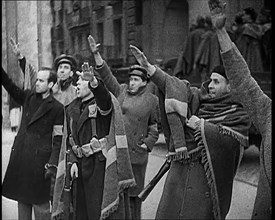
136, 109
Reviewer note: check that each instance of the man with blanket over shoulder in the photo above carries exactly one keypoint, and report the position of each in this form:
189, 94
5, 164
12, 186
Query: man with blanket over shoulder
254, 100
206, 130
99, 154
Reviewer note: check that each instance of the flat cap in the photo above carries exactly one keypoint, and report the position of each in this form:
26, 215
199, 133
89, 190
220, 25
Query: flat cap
63, 58
137, 70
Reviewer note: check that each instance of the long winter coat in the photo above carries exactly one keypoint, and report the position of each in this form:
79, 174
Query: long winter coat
258, 107
90, 182
38, 142
140, 118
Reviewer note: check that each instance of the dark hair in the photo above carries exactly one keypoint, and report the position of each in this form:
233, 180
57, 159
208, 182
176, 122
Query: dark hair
238, 19
251, 12
208, 21
220, 70
52, 74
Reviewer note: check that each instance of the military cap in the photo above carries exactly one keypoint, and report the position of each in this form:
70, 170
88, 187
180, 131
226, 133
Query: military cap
137, 70
63, 58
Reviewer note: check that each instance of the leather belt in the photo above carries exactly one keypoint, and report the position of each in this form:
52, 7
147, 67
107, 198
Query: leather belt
89, 149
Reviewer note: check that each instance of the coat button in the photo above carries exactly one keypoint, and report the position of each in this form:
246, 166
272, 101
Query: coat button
192, 164
207, 194
189, 188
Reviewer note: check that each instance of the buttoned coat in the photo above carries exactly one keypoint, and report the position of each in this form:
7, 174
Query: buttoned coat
38, 142
140, 118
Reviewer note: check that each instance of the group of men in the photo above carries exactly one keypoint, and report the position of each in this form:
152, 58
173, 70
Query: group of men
105, 131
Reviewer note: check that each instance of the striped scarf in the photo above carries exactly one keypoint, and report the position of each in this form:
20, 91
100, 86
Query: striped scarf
118, 172
174, 108
221, 118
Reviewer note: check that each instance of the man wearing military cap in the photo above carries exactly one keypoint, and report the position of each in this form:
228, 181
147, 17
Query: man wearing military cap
64, 91
139, 108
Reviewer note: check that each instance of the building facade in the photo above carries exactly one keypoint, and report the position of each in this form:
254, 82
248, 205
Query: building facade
29, 23
158, 27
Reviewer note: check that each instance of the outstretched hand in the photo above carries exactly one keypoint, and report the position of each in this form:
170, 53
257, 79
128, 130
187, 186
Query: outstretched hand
140, 57
217, 11
15, 48
87, 72
93, 45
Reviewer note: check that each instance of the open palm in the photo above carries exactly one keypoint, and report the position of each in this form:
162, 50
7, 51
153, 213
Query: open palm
217, 11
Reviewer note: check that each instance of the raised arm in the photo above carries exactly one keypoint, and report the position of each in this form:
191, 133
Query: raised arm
28, 70
103, 69
101, 94
16, 93
244, 86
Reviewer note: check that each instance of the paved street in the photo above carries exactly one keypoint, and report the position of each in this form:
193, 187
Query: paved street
244, 188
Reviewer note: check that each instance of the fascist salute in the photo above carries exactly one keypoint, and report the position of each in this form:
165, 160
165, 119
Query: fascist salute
35, 151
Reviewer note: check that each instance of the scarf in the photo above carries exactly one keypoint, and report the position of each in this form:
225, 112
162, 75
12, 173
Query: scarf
173, 107
64, 84
222, 119
118, 172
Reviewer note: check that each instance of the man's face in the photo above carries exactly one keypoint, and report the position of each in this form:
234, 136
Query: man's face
246, 18
64, 71
42, 85
135, 83
218, 85
82, 89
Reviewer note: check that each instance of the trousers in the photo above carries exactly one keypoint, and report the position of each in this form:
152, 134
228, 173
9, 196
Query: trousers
41, 211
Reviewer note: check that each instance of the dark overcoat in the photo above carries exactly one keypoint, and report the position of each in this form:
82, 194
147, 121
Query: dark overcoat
91, 170
36, 144
140, 116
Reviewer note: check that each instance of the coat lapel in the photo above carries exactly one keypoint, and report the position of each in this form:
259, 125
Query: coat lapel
42, 109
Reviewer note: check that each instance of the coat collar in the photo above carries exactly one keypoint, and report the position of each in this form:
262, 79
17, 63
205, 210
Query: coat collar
46, 106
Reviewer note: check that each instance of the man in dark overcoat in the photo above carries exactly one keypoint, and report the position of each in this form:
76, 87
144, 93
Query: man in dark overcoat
35, 151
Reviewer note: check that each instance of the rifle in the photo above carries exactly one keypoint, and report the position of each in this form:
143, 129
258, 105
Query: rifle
151, 185
67, 187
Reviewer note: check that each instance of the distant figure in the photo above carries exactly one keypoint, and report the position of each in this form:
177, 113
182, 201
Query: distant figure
185, 63
208, 52
15, 115
249, 42
265, 20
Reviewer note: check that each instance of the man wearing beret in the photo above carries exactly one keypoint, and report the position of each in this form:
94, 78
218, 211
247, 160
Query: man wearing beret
64, 65
139, 109
205, 129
